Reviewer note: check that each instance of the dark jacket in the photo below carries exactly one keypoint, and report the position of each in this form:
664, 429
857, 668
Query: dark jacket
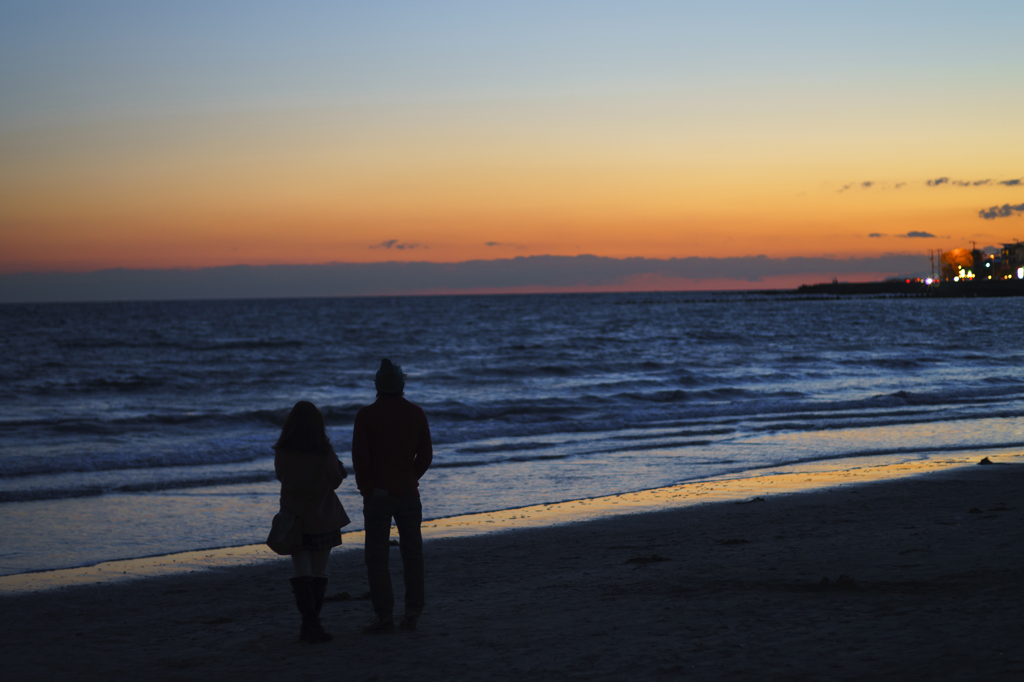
391, 446
308, 481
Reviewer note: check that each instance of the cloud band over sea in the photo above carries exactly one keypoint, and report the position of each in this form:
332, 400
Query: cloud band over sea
532, 273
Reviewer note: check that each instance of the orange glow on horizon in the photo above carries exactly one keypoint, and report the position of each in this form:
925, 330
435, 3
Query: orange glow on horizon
194, 241
485, 183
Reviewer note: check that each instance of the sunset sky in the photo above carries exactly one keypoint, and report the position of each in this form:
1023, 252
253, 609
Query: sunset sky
192, 134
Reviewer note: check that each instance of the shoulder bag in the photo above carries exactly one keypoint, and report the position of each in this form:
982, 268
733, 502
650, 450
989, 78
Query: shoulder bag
285, 536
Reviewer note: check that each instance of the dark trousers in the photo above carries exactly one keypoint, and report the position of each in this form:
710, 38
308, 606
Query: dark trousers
407, 513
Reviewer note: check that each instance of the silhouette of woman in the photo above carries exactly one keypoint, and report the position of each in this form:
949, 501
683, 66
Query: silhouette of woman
310, 472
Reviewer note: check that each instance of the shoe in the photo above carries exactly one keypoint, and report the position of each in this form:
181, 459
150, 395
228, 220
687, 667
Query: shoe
408, 622
379, 626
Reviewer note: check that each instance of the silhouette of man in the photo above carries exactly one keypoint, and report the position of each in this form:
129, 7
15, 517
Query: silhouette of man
391, 450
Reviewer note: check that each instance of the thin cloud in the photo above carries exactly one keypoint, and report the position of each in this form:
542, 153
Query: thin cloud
1004, 211
935, 182
877, 234
866, 184
395, 244
504, 245
401, 277
917, 234
870, 184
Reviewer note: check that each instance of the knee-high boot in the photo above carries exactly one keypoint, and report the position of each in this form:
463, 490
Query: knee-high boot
312, 631
319, 586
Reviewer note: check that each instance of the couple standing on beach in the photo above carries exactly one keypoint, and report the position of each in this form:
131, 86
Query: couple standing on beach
391, 450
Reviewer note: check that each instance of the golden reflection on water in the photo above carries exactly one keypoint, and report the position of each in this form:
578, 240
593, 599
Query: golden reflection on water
771, 482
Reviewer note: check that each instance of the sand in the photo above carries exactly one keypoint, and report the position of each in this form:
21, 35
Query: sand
934, 589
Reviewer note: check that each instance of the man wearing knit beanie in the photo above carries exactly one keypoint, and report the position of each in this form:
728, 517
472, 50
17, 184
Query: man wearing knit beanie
391, 450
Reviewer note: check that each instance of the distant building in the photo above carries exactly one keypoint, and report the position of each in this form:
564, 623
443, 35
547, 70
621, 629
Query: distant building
961, 265
1012, 261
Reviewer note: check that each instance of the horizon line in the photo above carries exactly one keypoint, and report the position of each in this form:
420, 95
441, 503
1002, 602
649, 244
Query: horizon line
518, 275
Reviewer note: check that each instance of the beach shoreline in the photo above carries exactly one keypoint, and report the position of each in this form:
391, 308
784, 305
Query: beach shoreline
780, 480
933, 589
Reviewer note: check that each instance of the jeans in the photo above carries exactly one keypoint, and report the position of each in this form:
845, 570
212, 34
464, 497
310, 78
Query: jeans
407, 513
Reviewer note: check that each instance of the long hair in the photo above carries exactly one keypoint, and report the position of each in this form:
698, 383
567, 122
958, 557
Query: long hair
303, 430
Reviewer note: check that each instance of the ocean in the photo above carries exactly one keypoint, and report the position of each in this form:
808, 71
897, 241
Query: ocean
138, 429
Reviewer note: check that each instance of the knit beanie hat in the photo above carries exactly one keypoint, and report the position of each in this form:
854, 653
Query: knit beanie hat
389, 378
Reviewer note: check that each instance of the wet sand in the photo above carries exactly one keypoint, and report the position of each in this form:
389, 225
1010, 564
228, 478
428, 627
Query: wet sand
773, 481
934, 589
